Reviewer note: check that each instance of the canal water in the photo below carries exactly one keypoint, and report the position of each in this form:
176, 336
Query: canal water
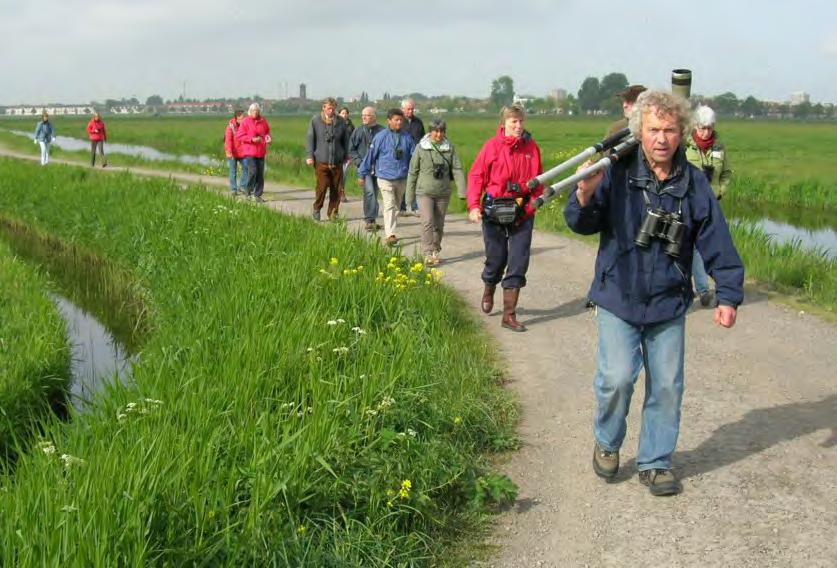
97, 359
144, 152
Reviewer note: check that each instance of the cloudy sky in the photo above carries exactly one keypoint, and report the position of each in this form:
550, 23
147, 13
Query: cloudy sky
78, 51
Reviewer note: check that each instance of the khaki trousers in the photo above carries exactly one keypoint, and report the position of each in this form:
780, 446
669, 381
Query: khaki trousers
432, 211
391, 193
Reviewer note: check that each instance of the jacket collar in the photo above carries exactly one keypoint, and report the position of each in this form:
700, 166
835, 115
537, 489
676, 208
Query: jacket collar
427, 144
640, 175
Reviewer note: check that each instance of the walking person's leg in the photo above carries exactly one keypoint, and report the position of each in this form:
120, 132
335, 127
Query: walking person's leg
232, 166
618, 361
102, 152
334, 192
428, 241
440, 209
251, 175
390, 209
701, 279
244, 177
93, 144
370, 201
44, 152
260, 178
320, 185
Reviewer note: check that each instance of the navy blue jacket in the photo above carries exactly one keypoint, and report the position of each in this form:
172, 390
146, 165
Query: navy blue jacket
645, 285
380, 159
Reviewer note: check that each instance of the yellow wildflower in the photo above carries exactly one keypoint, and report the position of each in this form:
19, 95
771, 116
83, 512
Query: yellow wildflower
334, 261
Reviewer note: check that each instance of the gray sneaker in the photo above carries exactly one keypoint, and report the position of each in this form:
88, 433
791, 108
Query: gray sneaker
316, 215
706, 299
660, 482
605, 463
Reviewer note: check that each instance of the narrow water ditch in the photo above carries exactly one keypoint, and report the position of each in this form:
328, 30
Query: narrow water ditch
104, 308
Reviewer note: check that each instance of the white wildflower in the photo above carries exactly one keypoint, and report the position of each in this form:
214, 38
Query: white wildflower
341, 350
358, 331
412, 433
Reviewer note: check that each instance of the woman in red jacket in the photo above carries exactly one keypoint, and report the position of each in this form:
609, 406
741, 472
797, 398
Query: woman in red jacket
498, 196
254, 136
98, 135
232, 150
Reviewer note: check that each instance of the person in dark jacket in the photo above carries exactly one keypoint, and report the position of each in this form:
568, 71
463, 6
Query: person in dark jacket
98, 135
498, 179
327, 145
359, 143
415, 128
344, 114
641, 287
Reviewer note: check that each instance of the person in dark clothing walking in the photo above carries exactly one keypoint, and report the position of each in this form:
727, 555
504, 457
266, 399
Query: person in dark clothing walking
327, 145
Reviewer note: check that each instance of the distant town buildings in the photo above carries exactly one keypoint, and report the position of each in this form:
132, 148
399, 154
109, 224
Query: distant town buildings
30, 110
558, 94
799, 97
303, 92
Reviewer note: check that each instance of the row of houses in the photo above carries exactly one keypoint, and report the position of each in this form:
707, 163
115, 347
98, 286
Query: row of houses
85, 110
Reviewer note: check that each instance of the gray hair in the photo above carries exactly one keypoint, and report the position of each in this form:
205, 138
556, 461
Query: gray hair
704, 116
407, 101
371, 110
438, 124
254, 106
661, 103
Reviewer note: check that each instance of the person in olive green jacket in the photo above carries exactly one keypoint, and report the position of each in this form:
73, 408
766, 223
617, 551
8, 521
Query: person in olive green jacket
433, 167
705, 150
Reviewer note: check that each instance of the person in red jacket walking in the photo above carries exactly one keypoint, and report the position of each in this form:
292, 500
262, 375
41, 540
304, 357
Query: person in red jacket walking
232, 150
253, 136
98, 134
498, 196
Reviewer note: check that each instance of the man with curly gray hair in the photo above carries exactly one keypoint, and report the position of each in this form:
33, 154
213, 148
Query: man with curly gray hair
651, 209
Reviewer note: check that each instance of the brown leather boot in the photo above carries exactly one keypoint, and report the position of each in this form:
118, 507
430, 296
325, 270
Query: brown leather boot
488, 299
510, 296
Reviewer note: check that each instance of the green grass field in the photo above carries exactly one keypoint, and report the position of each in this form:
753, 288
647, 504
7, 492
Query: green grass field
34, 354
301, 396
783, 163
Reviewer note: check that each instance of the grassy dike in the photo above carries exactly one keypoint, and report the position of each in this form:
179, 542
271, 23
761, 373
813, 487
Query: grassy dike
34, 354
302, 398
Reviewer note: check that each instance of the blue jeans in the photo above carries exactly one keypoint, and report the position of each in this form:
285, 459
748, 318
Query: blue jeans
233, 163
255, 176
699, 274
370, 199
623, 349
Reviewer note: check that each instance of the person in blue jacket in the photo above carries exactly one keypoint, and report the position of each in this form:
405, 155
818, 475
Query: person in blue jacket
651, 210
388, 159
44, 136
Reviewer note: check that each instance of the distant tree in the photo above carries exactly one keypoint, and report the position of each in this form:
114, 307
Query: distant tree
364, 98
502, 91
611, 85
818, 110
751, 106
802, 110
589, 95
111, 103
725, 104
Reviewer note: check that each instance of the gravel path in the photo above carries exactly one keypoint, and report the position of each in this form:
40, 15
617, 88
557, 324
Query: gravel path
758, 444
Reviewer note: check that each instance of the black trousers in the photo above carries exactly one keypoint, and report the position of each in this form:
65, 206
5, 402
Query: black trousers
507, 249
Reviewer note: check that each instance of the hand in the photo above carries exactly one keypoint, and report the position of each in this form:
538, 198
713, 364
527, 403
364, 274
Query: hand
257, 139
475, 215
229, 156
268, 139
360, 182
309, 161
725, 316
588, 186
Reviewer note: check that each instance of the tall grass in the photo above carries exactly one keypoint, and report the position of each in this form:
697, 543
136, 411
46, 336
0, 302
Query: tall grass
34, 354
298, 402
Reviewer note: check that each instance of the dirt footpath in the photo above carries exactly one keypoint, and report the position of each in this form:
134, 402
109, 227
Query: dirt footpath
758, 443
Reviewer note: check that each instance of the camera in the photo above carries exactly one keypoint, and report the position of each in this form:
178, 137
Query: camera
439, 171
513, 187
399, 153
660, 224
709, 171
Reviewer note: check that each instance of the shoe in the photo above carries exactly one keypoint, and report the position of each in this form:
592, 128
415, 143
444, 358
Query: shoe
233, 194
316, 215
370, 227
510, 297
487, 303
605, 463
104, 165
392, 241
258, 199
706, 299
660, 482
